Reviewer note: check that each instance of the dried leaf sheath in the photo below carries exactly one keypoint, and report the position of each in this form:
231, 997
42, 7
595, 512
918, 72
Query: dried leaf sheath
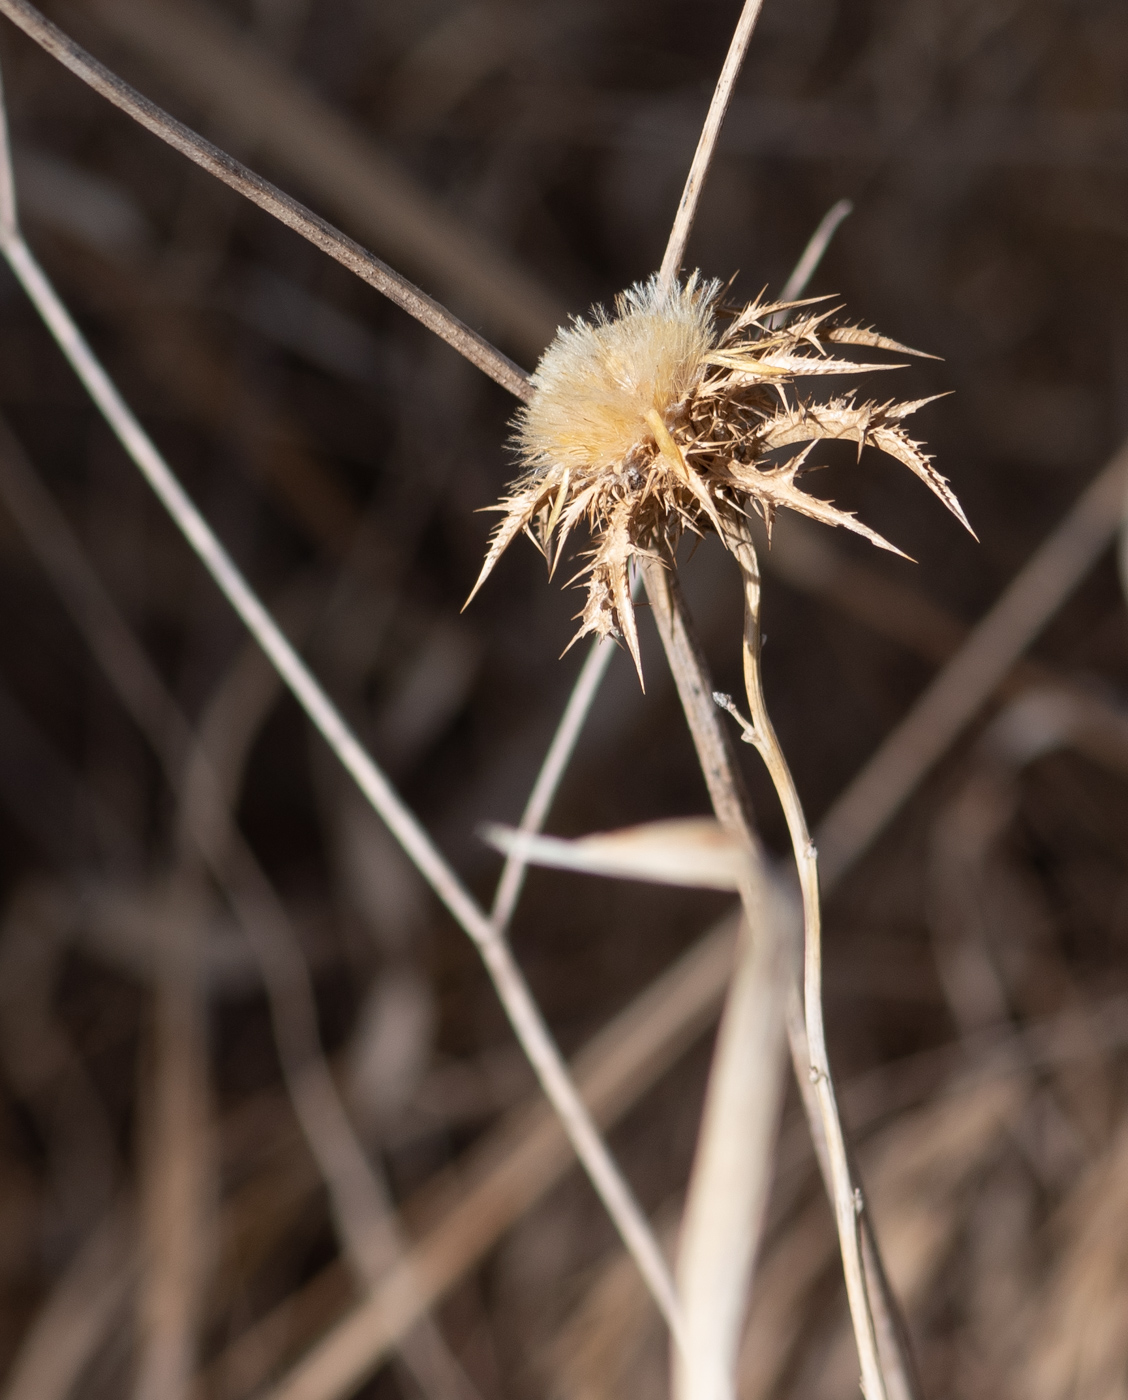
672, 414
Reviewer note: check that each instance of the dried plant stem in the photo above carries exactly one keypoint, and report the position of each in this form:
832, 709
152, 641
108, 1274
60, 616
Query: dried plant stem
730, 803
846, 1196
285, 209
732, 1167
706, 144
552, 770
512, 990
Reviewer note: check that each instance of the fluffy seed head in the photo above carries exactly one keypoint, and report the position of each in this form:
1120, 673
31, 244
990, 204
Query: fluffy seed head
676, 412
598, 379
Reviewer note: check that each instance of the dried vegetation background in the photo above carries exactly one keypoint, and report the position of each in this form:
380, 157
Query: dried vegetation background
164, 1226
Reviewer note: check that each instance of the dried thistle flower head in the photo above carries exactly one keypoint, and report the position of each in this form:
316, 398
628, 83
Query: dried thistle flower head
675, 414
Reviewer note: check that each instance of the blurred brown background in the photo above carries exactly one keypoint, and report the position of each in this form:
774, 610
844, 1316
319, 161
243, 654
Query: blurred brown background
522, 161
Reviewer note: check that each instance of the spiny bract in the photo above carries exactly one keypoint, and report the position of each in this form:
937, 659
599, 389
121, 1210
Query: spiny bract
672, 414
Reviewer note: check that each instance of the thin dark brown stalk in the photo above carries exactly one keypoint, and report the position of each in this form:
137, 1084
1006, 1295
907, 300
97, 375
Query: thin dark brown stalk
282, 206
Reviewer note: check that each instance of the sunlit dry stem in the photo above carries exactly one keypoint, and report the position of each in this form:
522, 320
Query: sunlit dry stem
732, 1168
706, 144
847, 1196
738, 1130
511, 987
548, 779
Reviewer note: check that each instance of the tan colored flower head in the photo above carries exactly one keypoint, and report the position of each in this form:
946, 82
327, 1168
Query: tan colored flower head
673, 414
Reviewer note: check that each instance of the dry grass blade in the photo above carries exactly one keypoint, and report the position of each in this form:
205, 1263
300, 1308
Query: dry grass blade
952, 700
689, 851
732, 1168
815, 250
259, 191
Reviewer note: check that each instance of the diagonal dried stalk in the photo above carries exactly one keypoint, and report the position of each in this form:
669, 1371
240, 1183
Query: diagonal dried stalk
548, 779
512, 989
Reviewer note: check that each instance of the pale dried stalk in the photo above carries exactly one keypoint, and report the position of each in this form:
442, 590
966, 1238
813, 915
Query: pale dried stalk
816, 247
512, 990
732, 1166
845, 1194
707, 142
552, 770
